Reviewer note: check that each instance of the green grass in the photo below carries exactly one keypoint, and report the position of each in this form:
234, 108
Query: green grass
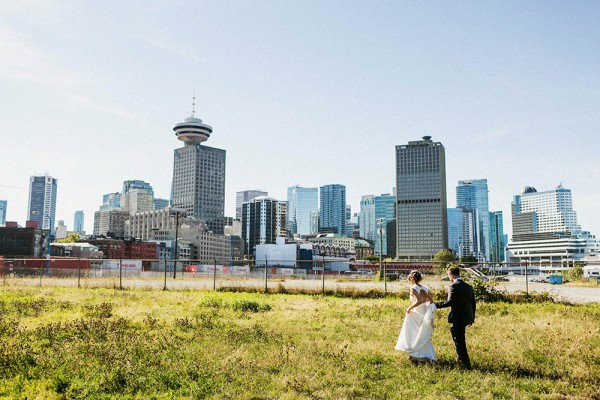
104, 343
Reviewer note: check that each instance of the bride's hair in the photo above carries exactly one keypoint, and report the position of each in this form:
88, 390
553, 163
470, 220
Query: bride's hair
416, 275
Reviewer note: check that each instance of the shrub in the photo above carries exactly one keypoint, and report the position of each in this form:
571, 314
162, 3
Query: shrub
245, 305
102, 310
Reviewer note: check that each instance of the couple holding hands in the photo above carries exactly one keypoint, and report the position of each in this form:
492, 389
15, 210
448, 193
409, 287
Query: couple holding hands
417, 328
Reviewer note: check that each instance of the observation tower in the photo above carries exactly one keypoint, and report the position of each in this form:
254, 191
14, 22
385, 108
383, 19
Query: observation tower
192, 130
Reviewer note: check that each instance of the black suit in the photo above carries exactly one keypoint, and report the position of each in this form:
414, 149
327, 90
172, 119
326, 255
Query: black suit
461, 301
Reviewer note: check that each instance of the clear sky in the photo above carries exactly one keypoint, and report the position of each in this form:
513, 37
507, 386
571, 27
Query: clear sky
300, 92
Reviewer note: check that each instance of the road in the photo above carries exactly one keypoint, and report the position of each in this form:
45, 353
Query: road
574, 294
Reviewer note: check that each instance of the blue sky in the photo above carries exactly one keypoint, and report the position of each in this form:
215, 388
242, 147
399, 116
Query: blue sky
300, 92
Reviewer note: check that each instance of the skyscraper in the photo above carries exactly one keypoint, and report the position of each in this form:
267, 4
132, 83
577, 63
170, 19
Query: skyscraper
137, 184
422, 225
301, 202
472, 197
78, 221
42, 201
385, 211
455, 229
332, 215
497, 243
243, 197
263, 220
3, 205
366, 219
199, 175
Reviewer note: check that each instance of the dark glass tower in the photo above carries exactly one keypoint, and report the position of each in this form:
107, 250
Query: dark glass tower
42, 201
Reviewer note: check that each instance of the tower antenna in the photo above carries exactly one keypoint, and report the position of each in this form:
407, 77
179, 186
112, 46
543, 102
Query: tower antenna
193, 104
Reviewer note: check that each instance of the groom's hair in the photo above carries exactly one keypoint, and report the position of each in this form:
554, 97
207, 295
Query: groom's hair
454, 271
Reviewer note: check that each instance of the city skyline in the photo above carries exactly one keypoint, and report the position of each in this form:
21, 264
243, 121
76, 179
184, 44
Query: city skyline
510, 89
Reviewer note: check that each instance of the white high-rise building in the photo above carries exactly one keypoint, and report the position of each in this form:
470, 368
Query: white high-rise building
366, 219
301, 202
545, 229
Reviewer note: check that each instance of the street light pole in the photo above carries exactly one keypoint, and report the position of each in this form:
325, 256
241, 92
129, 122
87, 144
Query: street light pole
380, 220
177, 211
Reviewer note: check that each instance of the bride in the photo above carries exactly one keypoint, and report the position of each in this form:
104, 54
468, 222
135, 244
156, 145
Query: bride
415, 336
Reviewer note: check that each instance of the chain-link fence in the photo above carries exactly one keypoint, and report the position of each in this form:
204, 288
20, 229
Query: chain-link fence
311, 276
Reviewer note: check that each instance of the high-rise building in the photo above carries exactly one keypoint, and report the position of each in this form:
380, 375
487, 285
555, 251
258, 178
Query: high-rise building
385, 211
60, 232
422, 225
245, 196
3, 205
159, 204
137, 200
366, 219
472, 198
137, 184
42, 201
199, 175
332, 214
455, 229
111, 201
497, 243
301, 202
545, 228
263, 220
78, 222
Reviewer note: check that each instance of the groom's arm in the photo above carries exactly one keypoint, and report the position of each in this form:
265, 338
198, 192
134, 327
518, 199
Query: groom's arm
450, 301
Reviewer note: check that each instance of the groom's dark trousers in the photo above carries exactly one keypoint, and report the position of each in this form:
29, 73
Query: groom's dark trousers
461, 301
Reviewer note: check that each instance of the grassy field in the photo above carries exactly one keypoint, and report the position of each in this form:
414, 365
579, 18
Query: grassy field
106, 343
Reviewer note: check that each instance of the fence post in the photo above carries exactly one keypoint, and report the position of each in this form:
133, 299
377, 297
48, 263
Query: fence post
78, 272
165, 260
323, 276
41, 273
215, 274
266, 275
526, 281
120, 274
384, 278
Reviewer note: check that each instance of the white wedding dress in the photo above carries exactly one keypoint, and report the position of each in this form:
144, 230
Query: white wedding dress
417, 328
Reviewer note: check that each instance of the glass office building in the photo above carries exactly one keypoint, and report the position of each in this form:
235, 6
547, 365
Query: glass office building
385, 211
245, 196
366, 219
472, 198
3, 205
332, 216
301, 203
497, 243
42, 201
78, 221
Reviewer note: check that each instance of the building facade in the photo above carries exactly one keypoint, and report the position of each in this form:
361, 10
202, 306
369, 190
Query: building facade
385, 211
545, 229
497, 244
243, 197
421, 204
3, 206
332, 213
111, 222
301, 202
78, 222
42, 201
160, 203
472, 197
366, 219
455, 229
263, 220
199, 175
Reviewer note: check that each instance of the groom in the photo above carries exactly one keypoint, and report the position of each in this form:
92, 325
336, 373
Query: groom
461, 301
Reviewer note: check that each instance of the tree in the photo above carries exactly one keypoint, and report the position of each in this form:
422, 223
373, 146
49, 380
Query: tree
71, 238
443, 259
469, 260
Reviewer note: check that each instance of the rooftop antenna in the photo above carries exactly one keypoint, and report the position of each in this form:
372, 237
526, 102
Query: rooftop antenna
194, 104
